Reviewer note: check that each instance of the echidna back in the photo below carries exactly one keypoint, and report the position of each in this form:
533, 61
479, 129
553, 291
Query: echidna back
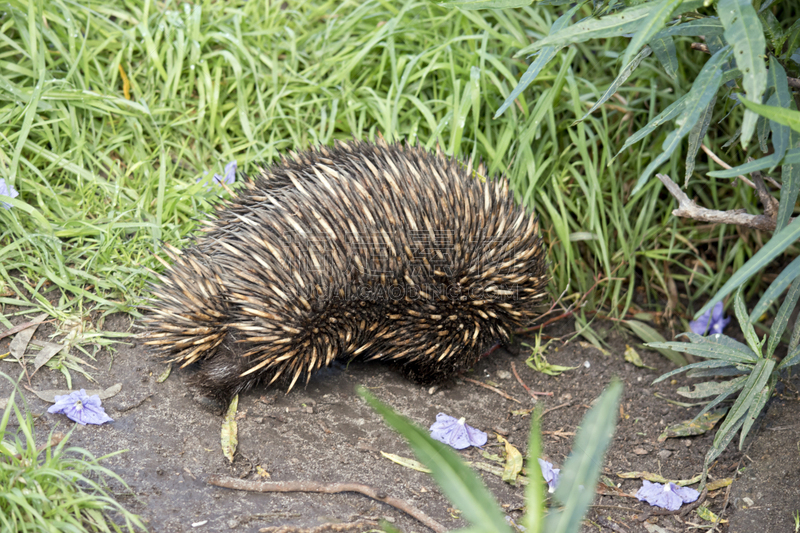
362, 250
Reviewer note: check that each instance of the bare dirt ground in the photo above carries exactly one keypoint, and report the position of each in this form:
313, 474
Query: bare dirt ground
326, 433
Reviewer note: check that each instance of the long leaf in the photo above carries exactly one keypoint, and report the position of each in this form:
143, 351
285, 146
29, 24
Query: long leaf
693, 28
787, 117
712, 347
617, 83
544, 57
535, 494
776, 245
757, 406
746, 326
790, 175
664, 49
718, 447
457, 481
751, 166
792, 358
696, 138
702, 92
782, 318
582, 469
733, 386
708, 388
775, 289
755, 382
650, 335
487, 4
614, 25
661, 13
781, 98
743, 31
701, 364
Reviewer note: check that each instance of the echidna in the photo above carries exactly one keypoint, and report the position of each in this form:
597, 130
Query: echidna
364, 250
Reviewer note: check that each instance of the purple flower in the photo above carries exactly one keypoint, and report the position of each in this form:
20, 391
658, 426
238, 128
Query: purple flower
456, 433
715, 318
7, 190
228, 179
550, 475
669, 496
81, 408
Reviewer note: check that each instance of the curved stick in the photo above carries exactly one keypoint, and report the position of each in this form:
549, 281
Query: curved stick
326, 488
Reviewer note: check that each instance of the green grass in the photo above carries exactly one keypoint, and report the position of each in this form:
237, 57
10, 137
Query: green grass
51, 487
103, 180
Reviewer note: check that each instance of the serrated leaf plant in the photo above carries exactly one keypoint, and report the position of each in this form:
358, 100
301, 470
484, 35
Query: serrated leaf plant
751, 366
753, 55
465, 490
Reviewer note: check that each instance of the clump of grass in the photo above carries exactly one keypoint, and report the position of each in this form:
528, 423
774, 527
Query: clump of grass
52, 487
111, 111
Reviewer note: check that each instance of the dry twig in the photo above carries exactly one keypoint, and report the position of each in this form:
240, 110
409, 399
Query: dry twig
531, 392
326, 488
687, 208
493, 389
360, 525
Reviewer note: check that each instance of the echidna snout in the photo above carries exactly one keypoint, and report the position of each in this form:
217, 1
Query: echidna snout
363, 250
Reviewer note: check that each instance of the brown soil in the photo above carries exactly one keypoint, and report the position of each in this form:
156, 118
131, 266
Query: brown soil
326, 433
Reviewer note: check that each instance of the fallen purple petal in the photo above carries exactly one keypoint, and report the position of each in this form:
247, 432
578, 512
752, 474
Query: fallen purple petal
669, 496
230, 174
714, 318
456, 432
550, 475
718, 320
81, 408
7, 190
229, 178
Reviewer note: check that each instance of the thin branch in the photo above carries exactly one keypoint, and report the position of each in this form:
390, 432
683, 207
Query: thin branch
326, 488
493, 389
687, 208
725, 165
531, 392
360, 525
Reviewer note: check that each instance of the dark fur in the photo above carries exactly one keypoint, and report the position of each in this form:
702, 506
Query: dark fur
362, 250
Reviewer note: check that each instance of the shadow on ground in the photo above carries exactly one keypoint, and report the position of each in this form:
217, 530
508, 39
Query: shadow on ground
326, 433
